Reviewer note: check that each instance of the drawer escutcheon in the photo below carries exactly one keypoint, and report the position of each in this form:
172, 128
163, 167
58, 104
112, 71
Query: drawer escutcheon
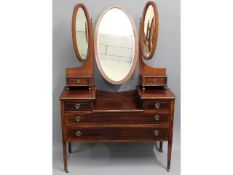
156, 133
78, 81
77, 119
157, 105
157, 117
77, 106
78, 133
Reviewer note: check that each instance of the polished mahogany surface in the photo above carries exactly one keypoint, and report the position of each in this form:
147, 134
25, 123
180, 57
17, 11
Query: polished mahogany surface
78, 94
117, 101
90, 115
155, 93
126, 100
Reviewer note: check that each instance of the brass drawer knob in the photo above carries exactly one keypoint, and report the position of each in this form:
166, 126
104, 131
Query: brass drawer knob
157, 105
78, 81
77, 106
78, 133
77, 119
157, 117
156, 133
154, 81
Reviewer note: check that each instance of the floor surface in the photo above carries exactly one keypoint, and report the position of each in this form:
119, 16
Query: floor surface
115, 159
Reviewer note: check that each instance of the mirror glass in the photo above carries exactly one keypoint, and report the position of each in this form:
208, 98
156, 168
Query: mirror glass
81, 33
149, 31
115, 45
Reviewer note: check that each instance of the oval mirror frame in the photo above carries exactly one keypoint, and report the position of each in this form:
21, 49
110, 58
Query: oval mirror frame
75, 44
134, 59
154, 41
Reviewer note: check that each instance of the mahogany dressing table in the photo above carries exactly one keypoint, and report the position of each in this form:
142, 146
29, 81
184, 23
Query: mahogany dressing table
144, 114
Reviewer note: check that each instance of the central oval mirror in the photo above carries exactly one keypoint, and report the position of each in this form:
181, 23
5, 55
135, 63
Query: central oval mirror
116, 45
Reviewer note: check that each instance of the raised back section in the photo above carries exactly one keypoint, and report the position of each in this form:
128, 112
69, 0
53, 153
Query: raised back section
150, 76
84, 75
146, 70
87, 67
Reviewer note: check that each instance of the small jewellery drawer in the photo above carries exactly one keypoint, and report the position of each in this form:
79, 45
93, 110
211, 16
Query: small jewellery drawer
78, 81
156, 105
154, 81
150, 118
117, 133
77, 106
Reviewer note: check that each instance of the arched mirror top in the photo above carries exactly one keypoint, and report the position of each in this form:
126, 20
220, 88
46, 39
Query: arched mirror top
81, 32
116, 45
149, 30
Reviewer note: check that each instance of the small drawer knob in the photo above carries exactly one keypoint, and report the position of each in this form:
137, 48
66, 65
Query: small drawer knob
78, 133
157, 117
157, 105
78, 81
77, 106
154, 81
77, 119
156, 133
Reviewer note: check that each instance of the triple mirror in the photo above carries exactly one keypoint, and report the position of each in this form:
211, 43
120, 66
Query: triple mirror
115, 41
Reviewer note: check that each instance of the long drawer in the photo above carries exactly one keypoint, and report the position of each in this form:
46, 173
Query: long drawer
93, 133
73, 118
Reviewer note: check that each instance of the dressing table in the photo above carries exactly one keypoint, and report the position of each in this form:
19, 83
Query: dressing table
142, 114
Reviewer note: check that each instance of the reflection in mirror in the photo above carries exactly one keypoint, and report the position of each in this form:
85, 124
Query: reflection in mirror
115, 45
82, 33
149, 30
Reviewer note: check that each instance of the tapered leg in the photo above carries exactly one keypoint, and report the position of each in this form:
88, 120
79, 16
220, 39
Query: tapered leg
169, 152
69, 144
161, 146
65, 157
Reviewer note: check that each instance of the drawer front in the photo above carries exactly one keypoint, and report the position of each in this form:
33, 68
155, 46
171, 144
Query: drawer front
77, 106
156, 105
154, 81
150, 118
117, 133
79, 81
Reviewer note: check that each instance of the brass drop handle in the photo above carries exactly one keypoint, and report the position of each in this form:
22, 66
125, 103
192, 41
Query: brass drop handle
77, 119
78, 133
157, 105
77, 105
78, 81
156, 133
157, 117
154, 81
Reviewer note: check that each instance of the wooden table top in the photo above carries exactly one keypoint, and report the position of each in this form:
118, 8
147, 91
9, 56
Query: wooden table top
80, 94
155, 93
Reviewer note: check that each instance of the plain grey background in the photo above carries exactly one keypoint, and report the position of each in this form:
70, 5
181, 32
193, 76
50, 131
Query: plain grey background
138, 156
